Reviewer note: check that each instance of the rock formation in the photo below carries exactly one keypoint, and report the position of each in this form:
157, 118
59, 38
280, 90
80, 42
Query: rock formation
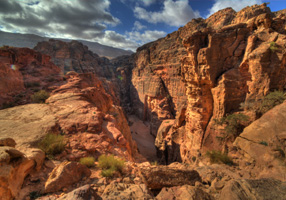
74, 56
23, 71
228, 59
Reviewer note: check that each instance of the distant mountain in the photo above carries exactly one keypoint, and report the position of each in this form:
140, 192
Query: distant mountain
31, 40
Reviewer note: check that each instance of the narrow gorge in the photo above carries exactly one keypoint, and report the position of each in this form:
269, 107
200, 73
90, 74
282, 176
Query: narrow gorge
160, 105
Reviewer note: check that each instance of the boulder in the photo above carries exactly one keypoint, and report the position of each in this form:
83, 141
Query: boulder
14, 167
263, 143
82, 193
64, 175
183, 192
254, 189
118, 191
10, 142
164, 176
27, 123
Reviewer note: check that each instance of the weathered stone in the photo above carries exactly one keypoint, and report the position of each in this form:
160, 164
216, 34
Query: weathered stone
66, 174
260, 140
82, 193
254, 189
14, 167
118, 191
164, 176
183, 192
10, 142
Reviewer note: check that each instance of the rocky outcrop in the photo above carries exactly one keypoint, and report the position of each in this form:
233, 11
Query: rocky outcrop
82, 193
27, 124
65, 175
164, 176
254, 189
262, 144
117, 191
23, 71
183, 192
93, 123
14, 167
74, 56
229, 58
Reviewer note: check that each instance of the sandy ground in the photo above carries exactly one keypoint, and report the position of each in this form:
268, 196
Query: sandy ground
145, 141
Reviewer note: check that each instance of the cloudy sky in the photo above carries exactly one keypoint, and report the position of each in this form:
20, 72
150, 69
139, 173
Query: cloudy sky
124, 24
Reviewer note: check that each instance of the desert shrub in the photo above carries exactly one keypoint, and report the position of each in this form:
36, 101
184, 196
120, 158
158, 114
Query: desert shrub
154, 163
40, 96
87, 161
273, 46
269, 101
219, 157
233, 124
32, 84
52, 144
263, 143
35, 195
109, 164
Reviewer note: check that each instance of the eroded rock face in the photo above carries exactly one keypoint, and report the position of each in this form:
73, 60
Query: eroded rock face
183, 192
165, 176
117, 191
227, 60
254, 189
93, 123
65, 175
74, 56
82, 193
23, 70
263, 144
14, 167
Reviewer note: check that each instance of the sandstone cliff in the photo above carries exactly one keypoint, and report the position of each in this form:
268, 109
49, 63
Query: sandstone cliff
74, 56
23, 71
204, 71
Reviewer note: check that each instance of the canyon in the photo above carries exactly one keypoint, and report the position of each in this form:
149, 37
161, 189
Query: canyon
158, 109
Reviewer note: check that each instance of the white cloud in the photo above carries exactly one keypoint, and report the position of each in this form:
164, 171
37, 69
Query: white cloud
174, 13
148, 2
138, 26
237, 5
82, 19
111, 38
146, 36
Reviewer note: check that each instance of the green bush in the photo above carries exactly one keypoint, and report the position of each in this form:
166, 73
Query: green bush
109, 164
273, 46
272, 99
219, 157
52, 144
32, 84
87, 161
233, 124
263, 143
40, 96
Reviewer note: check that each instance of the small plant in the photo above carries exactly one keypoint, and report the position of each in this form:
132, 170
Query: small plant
87, 161
263, 143
32, 84
52, 144
219, 157
281, 152
194, 158
109, 164
40, 96
273, 46
271, 100
233, 124
34, 195
155, 163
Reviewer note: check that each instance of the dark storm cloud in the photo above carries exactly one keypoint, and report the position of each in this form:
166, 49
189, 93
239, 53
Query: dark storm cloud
9, 7
77, 18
